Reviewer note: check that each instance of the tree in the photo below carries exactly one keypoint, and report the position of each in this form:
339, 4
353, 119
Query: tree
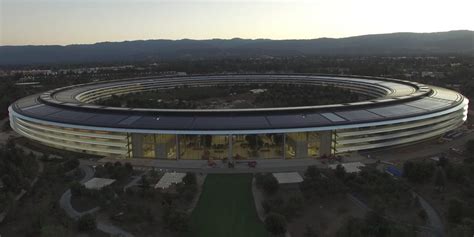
145, 183
175, 220
309, 231
440, 179
270, 184
293, 206
77, 189
443, 161
129, 167
340, 171
190, 179
422, 214
352, 228
469, 151
87, 223
312, 172
71, 164
455, 210
470, 147
54, 231
275, 224
376, 225
418, 172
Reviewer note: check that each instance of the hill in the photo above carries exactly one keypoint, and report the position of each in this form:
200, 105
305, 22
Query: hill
394, 44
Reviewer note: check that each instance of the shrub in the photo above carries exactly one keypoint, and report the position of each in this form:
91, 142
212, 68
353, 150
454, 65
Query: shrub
78, 189
190, 179
275, 224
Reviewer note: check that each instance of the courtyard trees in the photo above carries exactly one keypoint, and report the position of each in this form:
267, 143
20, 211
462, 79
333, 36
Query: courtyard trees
275, 224
418, 171
86, 223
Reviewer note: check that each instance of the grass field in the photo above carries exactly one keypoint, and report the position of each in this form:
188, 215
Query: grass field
226, 208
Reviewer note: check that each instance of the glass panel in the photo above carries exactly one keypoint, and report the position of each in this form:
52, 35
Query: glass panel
257, 146
165, 147
203, 147
240, 147
302, 145
313, 144
272, 147
148, 145
148, 150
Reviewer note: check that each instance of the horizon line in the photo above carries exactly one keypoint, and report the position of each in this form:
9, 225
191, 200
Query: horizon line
233, 38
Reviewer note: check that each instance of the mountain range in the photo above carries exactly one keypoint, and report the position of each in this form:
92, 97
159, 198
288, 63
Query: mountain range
459, 42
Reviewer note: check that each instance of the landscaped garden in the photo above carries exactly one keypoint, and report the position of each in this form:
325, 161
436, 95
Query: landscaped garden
235, 96
226, 208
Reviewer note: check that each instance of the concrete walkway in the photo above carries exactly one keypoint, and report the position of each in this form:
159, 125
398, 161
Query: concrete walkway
103, 224
201, 166
65, 200
258, 199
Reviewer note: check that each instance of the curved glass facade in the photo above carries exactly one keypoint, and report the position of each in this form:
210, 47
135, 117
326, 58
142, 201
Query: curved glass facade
403, 113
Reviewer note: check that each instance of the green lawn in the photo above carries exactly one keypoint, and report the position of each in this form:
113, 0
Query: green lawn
226, 208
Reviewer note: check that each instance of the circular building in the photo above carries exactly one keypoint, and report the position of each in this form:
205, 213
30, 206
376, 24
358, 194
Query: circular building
397, 112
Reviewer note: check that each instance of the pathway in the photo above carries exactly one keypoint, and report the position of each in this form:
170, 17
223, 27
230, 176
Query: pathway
434, 220
103, 223
65, 200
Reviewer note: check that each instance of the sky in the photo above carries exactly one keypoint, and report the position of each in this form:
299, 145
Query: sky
62, 22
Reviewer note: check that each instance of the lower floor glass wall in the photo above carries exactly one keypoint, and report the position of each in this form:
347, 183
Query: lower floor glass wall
302, 145
257, 146
203, 147
218, 147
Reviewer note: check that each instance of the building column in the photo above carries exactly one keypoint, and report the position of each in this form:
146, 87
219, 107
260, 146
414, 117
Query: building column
137, 145
229, 156
325, 143
129, 151
178, 152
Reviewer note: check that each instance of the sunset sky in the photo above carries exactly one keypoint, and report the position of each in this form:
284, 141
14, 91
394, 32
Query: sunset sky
39, 22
